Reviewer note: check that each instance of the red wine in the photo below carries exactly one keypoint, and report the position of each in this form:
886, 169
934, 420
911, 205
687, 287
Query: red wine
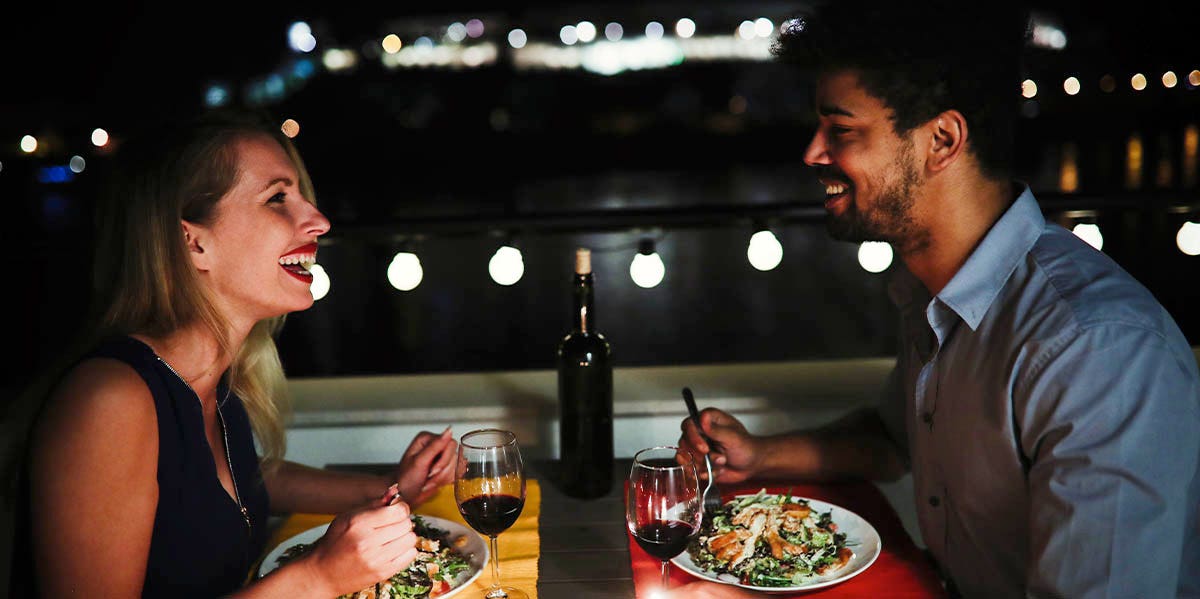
663, 539
491, 514
585, 395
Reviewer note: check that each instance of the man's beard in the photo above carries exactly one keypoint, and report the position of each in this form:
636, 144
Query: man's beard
889, 218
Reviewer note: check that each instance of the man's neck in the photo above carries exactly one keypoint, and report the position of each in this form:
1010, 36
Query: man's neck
956, 214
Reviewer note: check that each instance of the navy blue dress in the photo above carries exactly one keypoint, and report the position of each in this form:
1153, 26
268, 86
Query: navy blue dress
202, 545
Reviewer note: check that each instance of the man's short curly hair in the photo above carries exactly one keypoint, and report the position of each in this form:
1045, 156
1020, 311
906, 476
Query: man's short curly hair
922, 58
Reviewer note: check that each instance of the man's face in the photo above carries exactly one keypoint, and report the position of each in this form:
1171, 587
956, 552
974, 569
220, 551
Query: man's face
869, 172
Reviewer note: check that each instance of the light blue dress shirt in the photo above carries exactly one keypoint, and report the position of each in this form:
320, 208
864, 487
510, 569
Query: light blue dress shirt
1050, 410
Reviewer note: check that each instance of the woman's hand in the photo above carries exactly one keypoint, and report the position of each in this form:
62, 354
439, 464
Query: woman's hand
426, 465
363, 547
735, 456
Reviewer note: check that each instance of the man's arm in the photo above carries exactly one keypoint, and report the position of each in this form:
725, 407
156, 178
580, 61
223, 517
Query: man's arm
1110, 427
858, 445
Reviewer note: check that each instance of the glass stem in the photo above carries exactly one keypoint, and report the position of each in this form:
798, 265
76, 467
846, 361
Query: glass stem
666, 574
496, 592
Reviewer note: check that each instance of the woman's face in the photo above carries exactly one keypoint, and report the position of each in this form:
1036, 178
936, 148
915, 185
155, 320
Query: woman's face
254, 255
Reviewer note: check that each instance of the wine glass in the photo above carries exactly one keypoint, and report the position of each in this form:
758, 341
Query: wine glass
489, 487
663, 508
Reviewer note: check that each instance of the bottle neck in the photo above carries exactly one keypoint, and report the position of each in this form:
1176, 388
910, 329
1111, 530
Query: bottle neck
584, 315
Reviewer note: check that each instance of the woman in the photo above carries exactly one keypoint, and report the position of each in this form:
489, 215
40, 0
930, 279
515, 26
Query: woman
142, 472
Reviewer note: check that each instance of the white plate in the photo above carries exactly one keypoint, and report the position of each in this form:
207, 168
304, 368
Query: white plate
476, 550
861, 537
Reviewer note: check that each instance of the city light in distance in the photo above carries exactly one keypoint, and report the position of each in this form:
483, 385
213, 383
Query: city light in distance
474, 28
586, 31
405, 272
517, 38
875, 256
568, 35
99, 137
29, 144
685, 28
300, 37
77, 164
1194, 78
1028, 88
392, 43
1071, 86
290, 128
320, 284
1138, 82
613, 32
1169, 80
456, 32
654, 30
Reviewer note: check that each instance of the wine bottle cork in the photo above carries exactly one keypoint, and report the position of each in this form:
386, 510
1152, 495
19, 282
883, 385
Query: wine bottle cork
583, 261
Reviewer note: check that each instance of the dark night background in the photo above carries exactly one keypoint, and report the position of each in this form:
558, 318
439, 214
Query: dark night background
454, 161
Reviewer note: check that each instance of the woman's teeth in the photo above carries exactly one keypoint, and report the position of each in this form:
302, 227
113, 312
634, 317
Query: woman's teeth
304, 261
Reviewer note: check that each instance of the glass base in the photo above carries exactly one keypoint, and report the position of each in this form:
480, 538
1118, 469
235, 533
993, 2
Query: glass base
505, 592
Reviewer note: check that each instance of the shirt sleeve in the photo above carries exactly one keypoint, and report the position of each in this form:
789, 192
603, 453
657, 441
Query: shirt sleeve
1108, 421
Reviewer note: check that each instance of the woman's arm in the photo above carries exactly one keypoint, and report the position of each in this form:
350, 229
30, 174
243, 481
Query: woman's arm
295, 487
93, 483
425, 466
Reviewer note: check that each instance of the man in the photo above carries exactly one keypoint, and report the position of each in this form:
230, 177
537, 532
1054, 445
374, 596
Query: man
1047, 405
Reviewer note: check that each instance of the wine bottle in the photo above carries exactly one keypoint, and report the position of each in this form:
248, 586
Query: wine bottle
585, 394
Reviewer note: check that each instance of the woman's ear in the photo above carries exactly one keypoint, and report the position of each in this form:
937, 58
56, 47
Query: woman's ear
194, 240
948, 139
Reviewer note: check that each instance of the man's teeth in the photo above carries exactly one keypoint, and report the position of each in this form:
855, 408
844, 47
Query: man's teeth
835, 189
304, 260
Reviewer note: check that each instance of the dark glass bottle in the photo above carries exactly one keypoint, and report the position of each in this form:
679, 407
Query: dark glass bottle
585, 394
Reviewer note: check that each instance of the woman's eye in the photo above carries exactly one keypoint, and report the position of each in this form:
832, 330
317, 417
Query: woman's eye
279, 198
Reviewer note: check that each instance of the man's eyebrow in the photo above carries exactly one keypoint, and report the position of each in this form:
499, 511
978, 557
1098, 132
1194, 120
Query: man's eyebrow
286, 182
829, 109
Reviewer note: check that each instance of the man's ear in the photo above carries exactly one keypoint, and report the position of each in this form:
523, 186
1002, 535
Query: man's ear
948, 139
194, 240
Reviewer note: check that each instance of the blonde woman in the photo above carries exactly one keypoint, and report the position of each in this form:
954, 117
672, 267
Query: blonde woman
142, 475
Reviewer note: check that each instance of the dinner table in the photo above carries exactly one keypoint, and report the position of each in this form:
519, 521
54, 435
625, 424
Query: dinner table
564, 547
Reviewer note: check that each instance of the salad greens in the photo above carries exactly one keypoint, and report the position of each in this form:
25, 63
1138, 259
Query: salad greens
769, 541
433, 573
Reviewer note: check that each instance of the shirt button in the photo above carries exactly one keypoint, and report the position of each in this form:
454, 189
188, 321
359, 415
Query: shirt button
927, 417
934, 501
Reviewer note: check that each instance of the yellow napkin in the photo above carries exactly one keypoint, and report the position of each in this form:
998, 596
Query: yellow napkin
519, 545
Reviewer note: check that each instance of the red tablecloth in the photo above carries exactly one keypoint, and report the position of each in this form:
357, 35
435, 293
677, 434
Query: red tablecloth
902, 570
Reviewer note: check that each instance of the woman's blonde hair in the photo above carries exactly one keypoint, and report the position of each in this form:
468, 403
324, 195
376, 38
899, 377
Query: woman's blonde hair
143, 278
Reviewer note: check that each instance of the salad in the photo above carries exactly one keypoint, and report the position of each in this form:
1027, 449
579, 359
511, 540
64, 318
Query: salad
432, 574
769, 541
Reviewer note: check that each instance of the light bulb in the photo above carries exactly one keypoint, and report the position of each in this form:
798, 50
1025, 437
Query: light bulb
320, 284
506, 266
875, 256
1089, 233
647, 269
1188, 238
405, 273
764, 251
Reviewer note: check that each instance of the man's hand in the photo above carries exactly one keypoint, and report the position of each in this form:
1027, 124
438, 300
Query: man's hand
426, 466
736, 454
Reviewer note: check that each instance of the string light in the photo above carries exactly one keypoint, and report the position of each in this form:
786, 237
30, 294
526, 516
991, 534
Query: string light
320, 284
507, 266
764, 251
405, 272
647, 269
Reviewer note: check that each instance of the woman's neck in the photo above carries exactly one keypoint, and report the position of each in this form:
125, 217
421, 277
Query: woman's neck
195, 354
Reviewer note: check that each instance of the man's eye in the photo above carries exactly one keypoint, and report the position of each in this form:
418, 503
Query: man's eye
839, 130
279, 197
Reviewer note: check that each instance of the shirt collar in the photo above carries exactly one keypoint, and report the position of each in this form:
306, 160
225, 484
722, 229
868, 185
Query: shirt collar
977, 283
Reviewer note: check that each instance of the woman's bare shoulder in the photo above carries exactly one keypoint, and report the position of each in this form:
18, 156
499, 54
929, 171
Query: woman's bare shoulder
100, 396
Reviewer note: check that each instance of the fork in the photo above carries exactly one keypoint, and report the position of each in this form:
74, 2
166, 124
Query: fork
712, 495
